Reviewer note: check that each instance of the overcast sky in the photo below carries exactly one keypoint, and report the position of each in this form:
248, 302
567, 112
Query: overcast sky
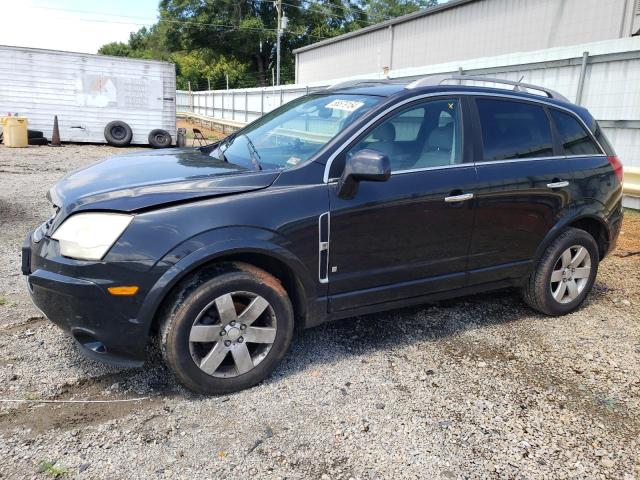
72, 25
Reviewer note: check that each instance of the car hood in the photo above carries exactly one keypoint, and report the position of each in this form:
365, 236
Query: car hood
143, 180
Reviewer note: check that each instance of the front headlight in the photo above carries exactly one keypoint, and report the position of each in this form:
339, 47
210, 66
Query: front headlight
89, 236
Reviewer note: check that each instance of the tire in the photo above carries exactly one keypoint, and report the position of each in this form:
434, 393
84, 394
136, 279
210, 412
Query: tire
38, 141
159, 138
118, 134
203, 366
548, 295
34, 134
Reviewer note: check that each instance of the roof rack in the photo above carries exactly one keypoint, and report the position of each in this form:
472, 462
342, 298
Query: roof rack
357, 82
433, 80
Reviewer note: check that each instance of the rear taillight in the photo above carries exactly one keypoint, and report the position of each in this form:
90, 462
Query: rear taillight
616, 164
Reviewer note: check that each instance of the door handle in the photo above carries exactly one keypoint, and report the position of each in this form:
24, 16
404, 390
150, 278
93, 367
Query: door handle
559, 184
458, 198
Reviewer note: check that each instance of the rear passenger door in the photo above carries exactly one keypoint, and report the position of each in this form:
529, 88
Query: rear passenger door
524, 183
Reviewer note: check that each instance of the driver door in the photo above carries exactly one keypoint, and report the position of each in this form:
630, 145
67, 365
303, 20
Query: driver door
409, 236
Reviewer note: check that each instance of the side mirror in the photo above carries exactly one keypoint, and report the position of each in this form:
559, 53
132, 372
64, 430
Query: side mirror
364, 166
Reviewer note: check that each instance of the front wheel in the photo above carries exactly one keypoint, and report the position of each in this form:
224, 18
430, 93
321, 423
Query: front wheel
564, 275
228, 332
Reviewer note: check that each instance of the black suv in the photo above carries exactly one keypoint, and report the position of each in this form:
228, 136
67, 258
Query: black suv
363, 197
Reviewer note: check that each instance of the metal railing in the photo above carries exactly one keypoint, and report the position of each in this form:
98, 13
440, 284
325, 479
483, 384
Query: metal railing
241, 105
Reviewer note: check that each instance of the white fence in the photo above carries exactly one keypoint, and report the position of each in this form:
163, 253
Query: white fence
240, 105
602, 76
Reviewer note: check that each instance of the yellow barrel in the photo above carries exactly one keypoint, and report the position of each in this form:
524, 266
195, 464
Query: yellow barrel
14, 130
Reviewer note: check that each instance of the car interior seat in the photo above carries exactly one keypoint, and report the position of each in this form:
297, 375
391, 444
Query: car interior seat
439, 147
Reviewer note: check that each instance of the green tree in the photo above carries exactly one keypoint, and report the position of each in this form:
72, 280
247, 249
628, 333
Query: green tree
116, 49
209, 40
380, 10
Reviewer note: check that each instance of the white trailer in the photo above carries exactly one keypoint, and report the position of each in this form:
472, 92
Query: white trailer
87, 92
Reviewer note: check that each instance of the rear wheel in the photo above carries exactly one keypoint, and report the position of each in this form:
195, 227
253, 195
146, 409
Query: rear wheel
564, 275
229, 332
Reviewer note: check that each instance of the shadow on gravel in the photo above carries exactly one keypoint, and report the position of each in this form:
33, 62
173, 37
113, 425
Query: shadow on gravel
356, 336
394, 329
329, 342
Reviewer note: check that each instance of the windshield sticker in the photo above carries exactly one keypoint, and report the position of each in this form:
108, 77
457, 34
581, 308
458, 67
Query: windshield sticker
345, 105
293, 161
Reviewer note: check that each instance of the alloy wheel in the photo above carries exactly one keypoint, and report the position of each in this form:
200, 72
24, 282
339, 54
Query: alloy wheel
570, 274
232, 334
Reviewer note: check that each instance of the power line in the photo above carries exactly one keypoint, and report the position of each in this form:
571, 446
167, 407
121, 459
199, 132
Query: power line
299, 7
349, 9
177, 22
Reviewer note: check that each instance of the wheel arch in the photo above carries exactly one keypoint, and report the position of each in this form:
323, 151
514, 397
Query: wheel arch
284, 267
597, 228
590, 221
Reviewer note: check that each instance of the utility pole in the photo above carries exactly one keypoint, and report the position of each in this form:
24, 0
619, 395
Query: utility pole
227, 76
209, 83
278, 35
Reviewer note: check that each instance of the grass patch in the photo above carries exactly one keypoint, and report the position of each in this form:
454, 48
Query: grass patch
49, 467
3, 301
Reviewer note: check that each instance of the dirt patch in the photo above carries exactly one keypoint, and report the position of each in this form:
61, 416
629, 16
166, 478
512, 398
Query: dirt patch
629, 239
36, 418
19, 327
210, 135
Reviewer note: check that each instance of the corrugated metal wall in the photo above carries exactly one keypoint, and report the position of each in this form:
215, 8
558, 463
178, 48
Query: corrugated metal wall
475, 29
87, 92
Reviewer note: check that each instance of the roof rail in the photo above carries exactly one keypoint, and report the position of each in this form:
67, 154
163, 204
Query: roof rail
356, 82
433, 80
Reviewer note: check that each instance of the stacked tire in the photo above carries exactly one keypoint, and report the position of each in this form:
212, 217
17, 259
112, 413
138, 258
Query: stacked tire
36, 137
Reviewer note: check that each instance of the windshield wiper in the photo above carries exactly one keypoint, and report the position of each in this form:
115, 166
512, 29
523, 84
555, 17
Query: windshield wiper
253, 153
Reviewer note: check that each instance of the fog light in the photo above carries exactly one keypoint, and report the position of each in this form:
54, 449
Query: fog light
89, 342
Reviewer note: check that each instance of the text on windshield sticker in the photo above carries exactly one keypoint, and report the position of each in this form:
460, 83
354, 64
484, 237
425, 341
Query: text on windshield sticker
345, 105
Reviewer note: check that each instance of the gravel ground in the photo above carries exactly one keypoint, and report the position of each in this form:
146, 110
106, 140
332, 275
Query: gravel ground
479, 387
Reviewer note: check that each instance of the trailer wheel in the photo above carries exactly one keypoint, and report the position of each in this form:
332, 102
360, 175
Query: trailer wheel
118, 134
159, 138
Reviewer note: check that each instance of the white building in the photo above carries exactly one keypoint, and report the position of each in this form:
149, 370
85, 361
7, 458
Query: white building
465, 29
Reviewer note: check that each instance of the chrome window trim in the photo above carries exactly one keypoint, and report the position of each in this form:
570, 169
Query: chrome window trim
488, 162
557, 157
327, 167
426, 169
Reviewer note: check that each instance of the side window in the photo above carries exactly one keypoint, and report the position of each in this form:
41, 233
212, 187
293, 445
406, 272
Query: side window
429, 135
514, 130
574, 138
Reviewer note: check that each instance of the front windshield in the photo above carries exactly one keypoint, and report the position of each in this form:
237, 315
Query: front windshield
294, 132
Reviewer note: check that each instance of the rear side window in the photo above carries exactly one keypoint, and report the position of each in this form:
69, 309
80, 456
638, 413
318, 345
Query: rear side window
514, 130
603, 141
573, 136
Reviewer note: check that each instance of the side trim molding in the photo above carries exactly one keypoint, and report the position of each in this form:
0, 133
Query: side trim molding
324, 229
